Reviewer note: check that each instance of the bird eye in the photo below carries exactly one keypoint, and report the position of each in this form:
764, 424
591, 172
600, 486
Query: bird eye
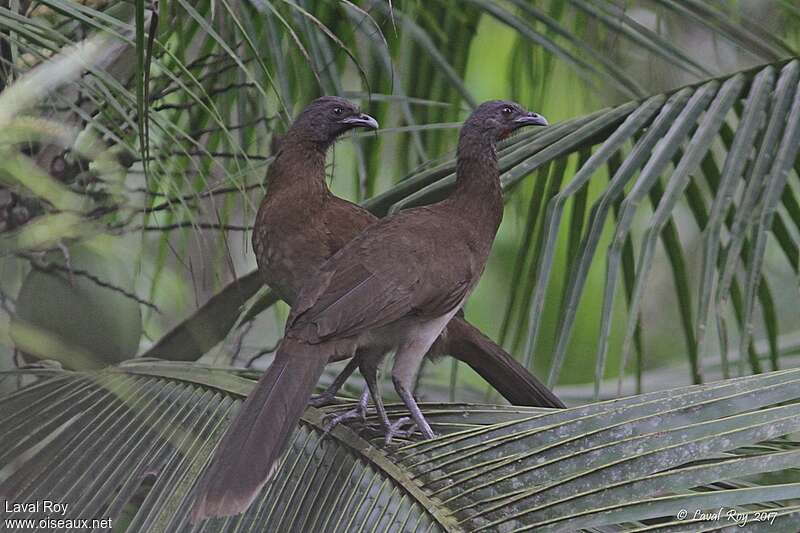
506, 110
337, 111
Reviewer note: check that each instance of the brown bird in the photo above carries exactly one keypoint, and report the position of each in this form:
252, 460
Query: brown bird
301, 224
395, 286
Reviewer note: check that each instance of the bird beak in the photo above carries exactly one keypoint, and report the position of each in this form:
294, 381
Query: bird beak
531, 119
361, 121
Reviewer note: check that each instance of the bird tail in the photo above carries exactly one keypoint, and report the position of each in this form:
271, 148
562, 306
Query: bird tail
517, 385
249, 453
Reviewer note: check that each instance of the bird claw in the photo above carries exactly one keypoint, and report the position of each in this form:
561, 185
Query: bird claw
395, 429
357, 413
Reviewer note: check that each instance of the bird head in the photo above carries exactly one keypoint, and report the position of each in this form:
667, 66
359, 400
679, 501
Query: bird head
328, 117
500, 118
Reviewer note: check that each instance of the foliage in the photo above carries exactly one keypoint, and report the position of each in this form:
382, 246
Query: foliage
183, 123
140, 131
142, 432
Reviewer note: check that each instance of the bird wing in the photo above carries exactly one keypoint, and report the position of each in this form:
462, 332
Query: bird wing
400, 266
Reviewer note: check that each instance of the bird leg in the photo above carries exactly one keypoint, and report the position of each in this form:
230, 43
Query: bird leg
327, 396
407, 362
368, 363
416, 413
369, 368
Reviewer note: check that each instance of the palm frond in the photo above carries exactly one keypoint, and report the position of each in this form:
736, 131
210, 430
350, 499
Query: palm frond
129, 443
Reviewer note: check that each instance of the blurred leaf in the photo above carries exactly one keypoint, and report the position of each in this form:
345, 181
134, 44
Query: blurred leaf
207, 326
68, 302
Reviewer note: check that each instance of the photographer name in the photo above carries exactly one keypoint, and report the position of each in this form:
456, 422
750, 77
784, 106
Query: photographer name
37, 506
739, 517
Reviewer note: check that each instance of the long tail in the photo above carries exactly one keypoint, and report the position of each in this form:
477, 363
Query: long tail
249, 452
466, 343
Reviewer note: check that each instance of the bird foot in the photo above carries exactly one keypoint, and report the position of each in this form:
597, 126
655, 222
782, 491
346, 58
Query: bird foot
357, 413
395, 429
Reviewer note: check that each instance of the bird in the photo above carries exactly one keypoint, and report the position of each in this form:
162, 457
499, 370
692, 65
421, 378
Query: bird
291, 243
394, 286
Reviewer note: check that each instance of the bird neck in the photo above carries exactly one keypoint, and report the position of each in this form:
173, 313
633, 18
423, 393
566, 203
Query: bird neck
299, 165
477, 194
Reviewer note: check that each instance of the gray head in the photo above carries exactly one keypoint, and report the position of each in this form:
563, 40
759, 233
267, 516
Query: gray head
326, 118
497, 119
